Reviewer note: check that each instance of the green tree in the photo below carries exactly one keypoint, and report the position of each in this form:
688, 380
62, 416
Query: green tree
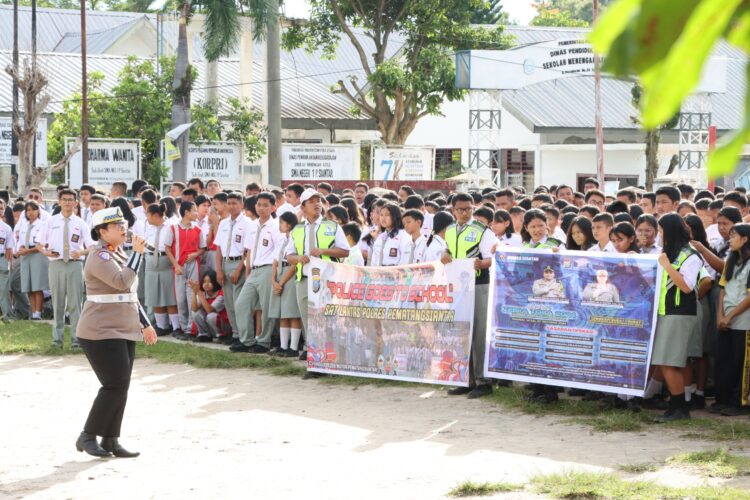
557, 17
139, 107
668, 52
245, 125
578, 10
491, 12
397, 92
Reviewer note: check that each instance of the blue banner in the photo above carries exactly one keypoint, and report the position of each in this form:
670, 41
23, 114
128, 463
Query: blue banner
573, 319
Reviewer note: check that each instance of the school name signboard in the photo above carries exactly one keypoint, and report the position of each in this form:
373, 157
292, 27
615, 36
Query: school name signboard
306, 162
109, 160
6, 135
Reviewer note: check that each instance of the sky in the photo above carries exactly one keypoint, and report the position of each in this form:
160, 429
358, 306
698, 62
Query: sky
520, 11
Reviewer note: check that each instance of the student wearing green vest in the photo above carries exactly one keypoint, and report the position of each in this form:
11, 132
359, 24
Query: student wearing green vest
315, 236
678, 307
470, 239
534, 235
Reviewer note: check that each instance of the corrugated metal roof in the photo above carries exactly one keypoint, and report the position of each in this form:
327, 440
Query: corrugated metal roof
301, 97
525, 35
97, 42
569, 102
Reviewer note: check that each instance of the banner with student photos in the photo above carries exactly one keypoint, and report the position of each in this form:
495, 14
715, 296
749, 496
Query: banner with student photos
573, 319
410, 323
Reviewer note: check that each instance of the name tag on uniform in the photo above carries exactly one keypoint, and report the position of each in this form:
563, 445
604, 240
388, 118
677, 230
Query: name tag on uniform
237, 238
75, 238
393, 252
265, 243
471, 237
330, 232
2, 241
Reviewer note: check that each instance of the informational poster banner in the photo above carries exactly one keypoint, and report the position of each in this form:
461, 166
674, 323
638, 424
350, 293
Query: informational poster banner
307, 162
215, 160
110, 160
402, 164
408, 323
573, 319
6, 136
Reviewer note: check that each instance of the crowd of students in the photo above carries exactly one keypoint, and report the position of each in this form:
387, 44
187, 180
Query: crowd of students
231, 267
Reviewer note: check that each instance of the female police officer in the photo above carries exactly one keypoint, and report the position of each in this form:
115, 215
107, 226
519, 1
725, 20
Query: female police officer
111, 322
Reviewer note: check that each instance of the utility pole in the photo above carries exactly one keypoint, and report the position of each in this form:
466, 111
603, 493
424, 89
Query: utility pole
273, 91
14, 137
84, 101
598, 113
33, 72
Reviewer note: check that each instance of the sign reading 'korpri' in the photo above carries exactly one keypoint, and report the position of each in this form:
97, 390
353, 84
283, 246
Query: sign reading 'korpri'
219, 160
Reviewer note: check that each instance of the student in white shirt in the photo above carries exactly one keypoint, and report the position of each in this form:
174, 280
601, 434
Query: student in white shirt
159, 292
292, 194
33, 264
553, 220
502, 226
230, 248
435, 245
392, 245
284, 300
413, 220
601, 226
646, 230
7, 246
580, 235
353, 234
370, 234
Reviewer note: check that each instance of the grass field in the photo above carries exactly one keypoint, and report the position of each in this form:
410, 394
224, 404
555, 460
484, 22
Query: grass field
34, 338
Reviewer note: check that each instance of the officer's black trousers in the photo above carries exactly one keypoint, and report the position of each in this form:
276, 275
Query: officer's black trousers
112, 361
730, 366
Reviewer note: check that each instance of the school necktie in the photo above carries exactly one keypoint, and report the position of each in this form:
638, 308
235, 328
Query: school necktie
28, 234
411, 252
255, 247
66, 240
229, 237
157, 240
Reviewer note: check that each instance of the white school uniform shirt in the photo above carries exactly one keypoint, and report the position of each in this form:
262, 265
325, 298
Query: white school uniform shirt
434, 251
7, 238
652, 250
287, 207
205, 227
165, 236
237, 246
139, 213
608, 248
79, 235
690, 269
712, 232
427, 224
416, 249
22, 228
559, 234
264, 251
139, 227
514, 241
339, 241
355, 257
43, 215
391, 249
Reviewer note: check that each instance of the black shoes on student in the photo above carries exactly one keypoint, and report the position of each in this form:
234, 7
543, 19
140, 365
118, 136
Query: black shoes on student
112, 445
87, 442
678, 410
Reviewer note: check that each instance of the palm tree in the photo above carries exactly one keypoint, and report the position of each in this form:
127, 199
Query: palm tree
222, 33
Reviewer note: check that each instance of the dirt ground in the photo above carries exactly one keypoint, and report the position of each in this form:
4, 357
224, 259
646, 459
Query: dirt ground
240, 434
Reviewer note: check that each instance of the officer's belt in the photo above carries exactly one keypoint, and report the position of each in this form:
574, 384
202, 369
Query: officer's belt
113, 298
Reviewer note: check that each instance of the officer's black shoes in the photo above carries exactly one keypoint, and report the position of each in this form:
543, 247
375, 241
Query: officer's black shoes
162, 332
460, 391
112, 445
87, 442
717, 407
479, 391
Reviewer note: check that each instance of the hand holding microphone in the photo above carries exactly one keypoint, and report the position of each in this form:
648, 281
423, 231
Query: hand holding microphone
140, 243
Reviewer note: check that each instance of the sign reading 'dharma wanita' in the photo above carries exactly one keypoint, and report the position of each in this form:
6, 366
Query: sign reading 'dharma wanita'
216, 160
307, 162
6, 135
110, 160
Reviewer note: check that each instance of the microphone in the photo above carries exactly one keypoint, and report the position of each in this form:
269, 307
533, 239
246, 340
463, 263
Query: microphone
148, 245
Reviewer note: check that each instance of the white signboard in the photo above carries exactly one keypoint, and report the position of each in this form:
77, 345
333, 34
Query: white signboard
306, 162
6, 135
214, 160
110, 160
403, 164
516, 68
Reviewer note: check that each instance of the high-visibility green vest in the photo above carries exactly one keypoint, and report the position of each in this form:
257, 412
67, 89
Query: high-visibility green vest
671, 299
325, 236
548, 243
465, 245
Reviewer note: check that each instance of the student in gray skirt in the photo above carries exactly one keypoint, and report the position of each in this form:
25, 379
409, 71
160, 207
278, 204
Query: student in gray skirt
284, 299
34, 275
159, 274
678, 309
